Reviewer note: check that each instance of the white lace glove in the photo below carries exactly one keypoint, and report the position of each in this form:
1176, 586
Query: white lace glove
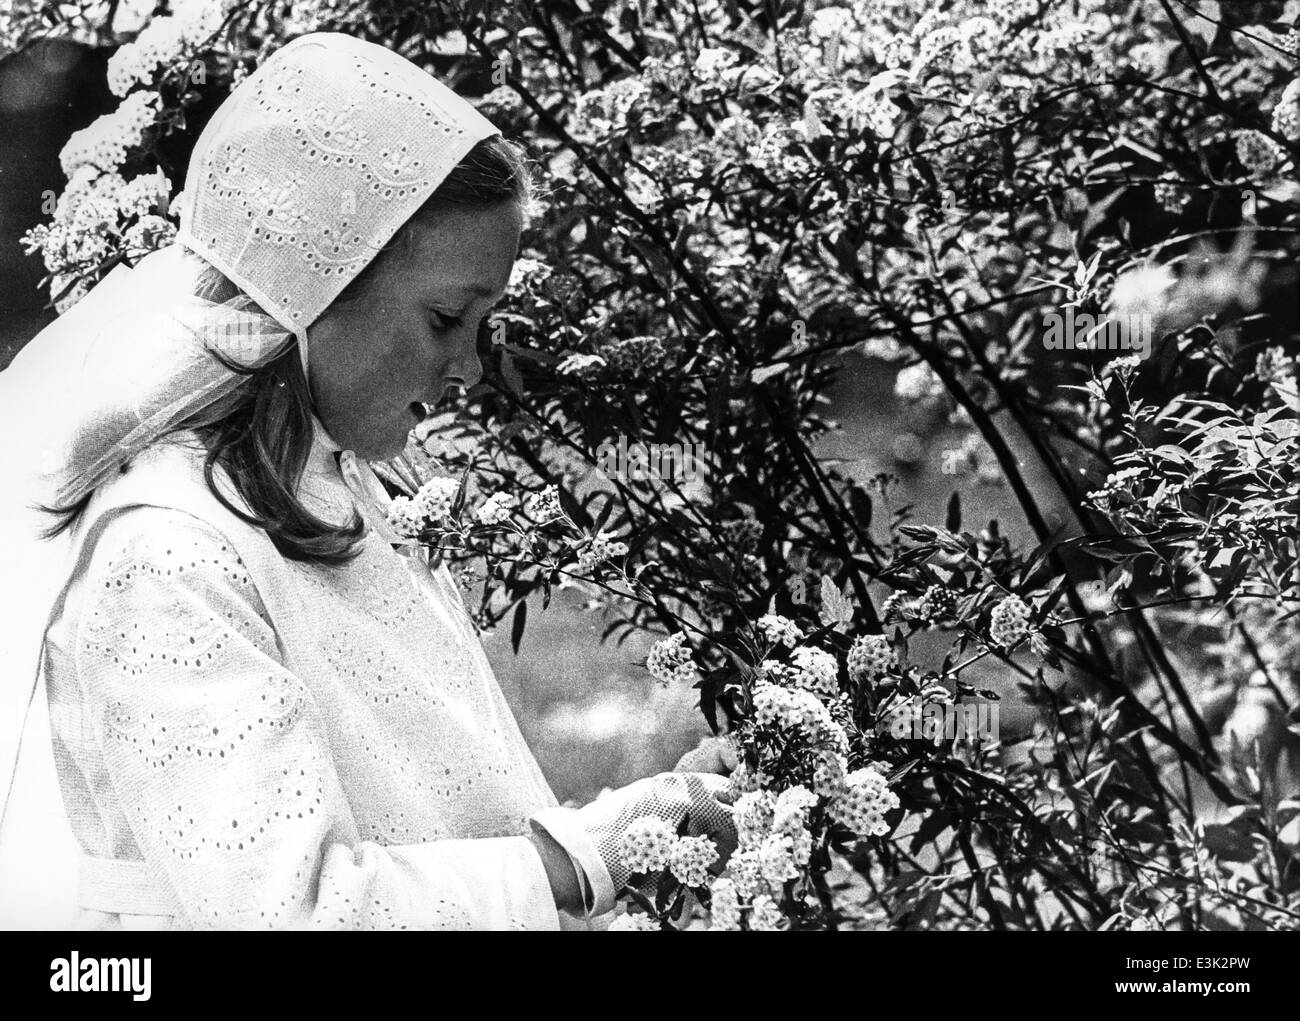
711, 755
703, 798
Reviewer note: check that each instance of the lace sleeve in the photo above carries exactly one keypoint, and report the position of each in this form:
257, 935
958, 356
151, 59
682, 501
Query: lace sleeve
219, 758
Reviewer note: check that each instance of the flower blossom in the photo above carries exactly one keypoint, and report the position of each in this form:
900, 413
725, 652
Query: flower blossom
544, 506
670, 661
778, 630
495, 509
690, 858
599, 549
811, 669
647, 843
639, 922
863, 806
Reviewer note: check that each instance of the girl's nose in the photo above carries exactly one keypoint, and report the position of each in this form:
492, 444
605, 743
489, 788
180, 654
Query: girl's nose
466, 368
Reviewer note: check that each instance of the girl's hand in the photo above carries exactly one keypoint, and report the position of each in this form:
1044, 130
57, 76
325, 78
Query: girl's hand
703, 799
711, 755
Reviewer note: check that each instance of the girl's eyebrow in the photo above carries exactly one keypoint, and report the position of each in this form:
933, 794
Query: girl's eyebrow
475, 287
460, 290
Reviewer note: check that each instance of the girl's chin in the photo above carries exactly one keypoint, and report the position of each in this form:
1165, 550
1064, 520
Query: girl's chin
390, 449
386, 442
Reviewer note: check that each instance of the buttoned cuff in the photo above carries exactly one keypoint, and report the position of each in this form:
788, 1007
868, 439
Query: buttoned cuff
561, 825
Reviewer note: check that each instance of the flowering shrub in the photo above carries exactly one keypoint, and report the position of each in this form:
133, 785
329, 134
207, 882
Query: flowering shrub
739, 197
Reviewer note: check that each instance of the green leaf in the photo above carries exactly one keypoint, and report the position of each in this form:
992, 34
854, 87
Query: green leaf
510, 374
860, 502
768, 371
602, 519
836, 608
517, 625
576, 512
953, 519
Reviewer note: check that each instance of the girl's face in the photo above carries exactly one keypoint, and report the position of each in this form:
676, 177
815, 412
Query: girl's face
412, 329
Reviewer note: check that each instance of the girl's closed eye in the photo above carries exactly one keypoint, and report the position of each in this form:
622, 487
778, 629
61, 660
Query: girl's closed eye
444, 321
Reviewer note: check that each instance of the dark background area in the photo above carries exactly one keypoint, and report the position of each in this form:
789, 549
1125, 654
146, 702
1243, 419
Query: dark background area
47, 92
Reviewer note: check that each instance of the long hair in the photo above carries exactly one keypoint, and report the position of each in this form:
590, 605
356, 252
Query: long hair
261, 433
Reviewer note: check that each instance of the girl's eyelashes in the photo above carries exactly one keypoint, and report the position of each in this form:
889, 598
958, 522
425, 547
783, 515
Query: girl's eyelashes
443, 321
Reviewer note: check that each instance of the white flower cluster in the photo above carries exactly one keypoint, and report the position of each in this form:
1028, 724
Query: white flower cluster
642, 189
1258, 153
163, 42
434, 499
764, 915
598, 112
431, 505
1124, 366
724, 906
544, 506
1170, 192
863, 806
106, 141
809, 668
711, 62
775, 845
773, 156
776, 859
670, 661
648, 844
1009, 622
628, 922
1286, 115
830, 775
580, 365
634, 355
937, 603
141, 194
745, 778
526, 271
689, 860
90, 214
831, 23
599, 549
799, 711
894, 608
752, 814
404, 518
502, 99
917, 383
1272, 366
496, 509
778, 630
868, 108
92, 220
147, 234
870, 658
1116, 483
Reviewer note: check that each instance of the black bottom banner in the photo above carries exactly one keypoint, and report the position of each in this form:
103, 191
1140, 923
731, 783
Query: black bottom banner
145, 970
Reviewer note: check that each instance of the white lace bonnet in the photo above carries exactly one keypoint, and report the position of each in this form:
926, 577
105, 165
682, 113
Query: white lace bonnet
312, 165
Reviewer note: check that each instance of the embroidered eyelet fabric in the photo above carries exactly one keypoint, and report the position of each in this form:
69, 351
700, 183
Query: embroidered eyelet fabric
286, 745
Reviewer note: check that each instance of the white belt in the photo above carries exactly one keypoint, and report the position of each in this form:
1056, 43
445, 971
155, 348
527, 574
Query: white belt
120, 887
